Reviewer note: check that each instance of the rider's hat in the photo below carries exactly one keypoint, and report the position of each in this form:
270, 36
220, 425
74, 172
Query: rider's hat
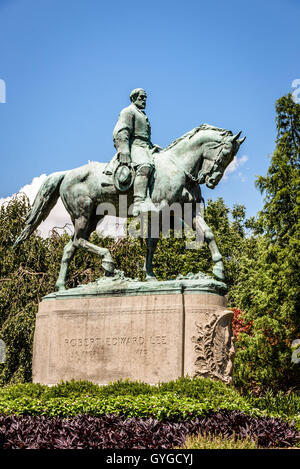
123, 177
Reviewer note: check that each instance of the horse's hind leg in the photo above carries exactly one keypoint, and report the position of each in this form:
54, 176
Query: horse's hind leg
83, 229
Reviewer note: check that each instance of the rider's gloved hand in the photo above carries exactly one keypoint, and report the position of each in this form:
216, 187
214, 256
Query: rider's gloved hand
124, 158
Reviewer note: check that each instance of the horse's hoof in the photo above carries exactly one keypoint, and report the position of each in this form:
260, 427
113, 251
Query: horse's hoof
151, 278
218, 271
60, 287
108, 274
108, 267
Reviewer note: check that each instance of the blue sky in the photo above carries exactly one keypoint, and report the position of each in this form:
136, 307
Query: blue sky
69, 66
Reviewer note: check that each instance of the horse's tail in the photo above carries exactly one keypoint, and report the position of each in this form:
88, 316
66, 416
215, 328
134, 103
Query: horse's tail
43, 203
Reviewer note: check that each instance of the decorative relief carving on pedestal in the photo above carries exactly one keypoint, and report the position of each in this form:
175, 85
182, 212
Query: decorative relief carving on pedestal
214, 346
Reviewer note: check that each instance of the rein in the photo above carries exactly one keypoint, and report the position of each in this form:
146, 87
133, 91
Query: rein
189, 175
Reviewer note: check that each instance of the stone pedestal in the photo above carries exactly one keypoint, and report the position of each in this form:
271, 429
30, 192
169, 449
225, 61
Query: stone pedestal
154, 332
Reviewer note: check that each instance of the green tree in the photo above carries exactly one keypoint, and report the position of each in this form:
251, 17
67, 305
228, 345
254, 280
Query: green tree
268, 287
280, 216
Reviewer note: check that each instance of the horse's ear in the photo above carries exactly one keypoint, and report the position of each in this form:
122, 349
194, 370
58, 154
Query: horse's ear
235, 137
242, 140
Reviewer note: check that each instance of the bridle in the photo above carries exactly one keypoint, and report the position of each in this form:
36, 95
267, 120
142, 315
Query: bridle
189, 175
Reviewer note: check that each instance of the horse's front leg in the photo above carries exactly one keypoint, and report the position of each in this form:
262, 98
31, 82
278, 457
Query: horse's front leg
107, 260
148, 269
202, 226
151, 242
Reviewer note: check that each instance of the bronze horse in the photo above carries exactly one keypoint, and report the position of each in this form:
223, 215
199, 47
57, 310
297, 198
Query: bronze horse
200, 156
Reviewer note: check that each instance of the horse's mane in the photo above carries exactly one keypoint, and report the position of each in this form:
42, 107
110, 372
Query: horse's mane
191, 133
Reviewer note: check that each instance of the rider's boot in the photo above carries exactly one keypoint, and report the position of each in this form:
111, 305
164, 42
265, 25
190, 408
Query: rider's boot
141, 203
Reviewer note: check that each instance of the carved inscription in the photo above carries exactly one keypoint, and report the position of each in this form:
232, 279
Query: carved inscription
92, 348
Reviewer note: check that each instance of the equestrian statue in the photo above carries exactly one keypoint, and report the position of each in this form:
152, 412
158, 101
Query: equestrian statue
151, 177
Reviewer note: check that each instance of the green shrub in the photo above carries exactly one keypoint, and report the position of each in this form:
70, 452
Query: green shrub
196, 388
185, 397
165, 406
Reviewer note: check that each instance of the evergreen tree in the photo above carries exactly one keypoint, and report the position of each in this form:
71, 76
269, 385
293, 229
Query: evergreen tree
268, 287
280, 216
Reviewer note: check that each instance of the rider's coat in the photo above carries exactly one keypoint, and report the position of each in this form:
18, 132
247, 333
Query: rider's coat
132, 134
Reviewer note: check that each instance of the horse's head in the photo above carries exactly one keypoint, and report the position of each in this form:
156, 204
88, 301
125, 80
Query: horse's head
217, 156
211, 148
